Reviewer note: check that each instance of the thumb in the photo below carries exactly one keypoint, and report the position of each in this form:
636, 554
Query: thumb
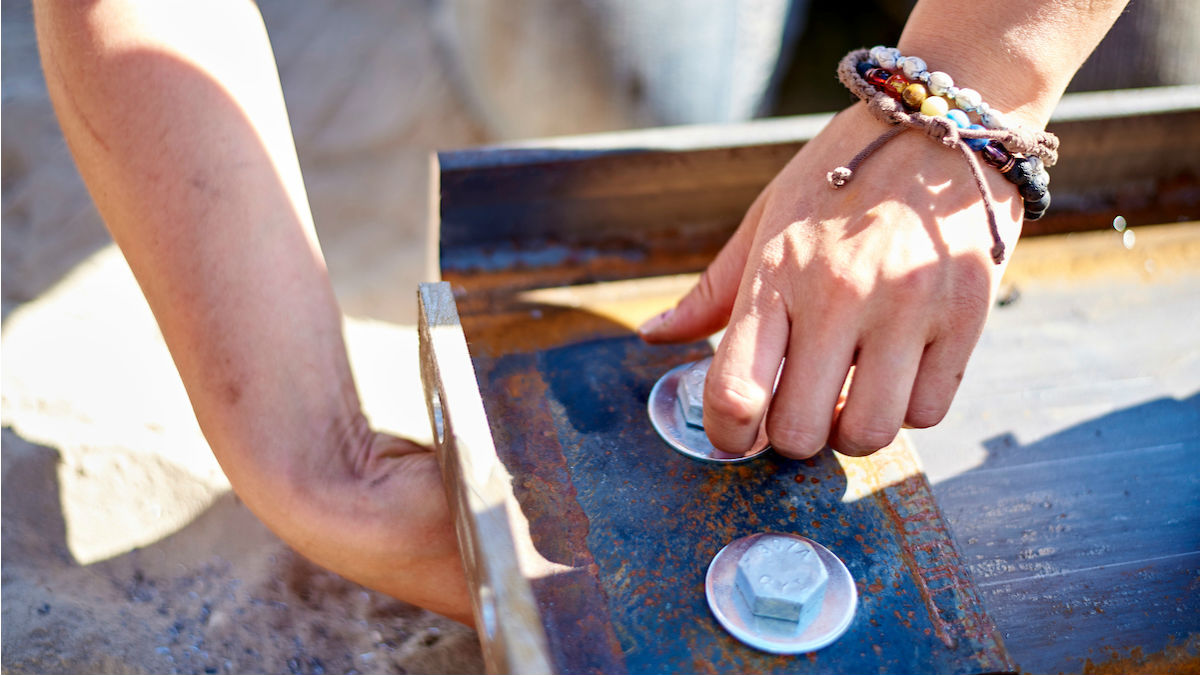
706, 308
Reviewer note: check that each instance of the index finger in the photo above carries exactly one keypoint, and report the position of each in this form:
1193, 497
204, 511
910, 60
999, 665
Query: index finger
738, 388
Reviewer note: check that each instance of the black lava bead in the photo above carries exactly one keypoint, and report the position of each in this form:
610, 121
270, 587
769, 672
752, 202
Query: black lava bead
1033, 189
1021, 171
1037, 209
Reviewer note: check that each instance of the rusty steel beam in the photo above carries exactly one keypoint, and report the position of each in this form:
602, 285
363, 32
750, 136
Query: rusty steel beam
663, 201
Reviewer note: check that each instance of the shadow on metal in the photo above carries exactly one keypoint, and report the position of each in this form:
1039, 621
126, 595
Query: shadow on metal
1085, 544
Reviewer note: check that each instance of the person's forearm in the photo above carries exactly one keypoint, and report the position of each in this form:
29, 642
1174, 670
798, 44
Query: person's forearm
1019, 54
174, 113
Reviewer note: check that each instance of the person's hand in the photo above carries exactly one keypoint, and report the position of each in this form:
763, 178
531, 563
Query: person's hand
375, 512
890, 274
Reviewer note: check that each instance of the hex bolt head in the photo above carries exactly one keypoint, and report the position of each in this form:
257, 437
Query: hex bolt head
690, 392
782, 579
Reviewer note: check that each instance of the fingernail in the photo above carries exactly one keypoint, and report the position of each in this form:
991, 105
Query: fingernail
656, 324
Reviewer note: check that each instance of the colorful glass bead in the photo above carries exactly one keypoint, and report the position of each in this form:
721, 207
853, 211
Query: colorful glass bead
976, 144
968, 99
895, 86
862, 67
960, 118
939, 83
914, 95
994, 154
877, 77
911, 66
934, 106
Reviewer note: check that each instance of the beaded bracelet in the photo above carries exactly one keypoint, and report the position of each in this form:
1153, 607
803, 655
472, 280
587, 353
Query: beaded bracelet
939, 84
918, 89
1039, 148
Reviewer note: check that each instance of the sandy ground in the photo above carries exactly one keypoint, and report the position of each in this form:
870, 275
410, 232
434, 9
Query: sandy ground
124, 549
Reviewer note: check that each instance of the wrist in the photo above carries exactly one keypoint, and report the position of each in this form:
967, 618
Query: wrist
1023, 91
1019, 54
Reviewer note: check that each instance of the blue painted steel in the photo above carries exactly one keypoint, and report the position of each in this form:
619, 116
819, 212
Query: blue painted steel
606, 496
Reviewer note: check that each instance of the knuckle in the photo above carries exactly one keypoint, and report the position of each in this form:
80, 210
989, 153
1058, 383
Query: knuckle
924, 417
972, 288
847, 284
764, 288
865, 438
732, 402
920, 282
974, 270
705, 288
795, 442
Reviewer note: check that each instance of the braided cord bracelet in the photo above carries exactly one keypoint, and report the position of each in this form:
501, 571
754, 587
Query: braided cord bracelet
919, 89
885, 99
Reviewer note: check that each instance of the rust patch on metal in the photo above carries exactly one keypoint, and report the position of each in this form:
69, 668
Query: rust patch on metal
571, 601
921, 522
927, 548
532, 328
1177, 658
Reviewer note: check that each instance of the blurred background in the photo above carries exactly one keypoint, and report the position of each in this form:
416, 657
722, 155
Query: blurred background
123, 549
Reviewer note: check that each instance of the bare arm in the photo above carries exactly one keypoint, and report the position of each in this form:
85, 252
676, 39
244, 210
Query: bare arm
889, 275
1019, 54
175, 116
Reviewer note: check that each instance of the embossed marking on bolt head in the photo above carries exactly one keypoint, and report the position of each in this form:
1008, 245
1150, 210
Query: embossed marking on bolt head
782, 579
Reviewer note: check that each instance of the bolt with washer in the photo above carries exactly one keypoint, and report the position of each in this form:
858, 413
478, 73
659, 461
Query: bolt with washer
782, 579
676, 410
781, 593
